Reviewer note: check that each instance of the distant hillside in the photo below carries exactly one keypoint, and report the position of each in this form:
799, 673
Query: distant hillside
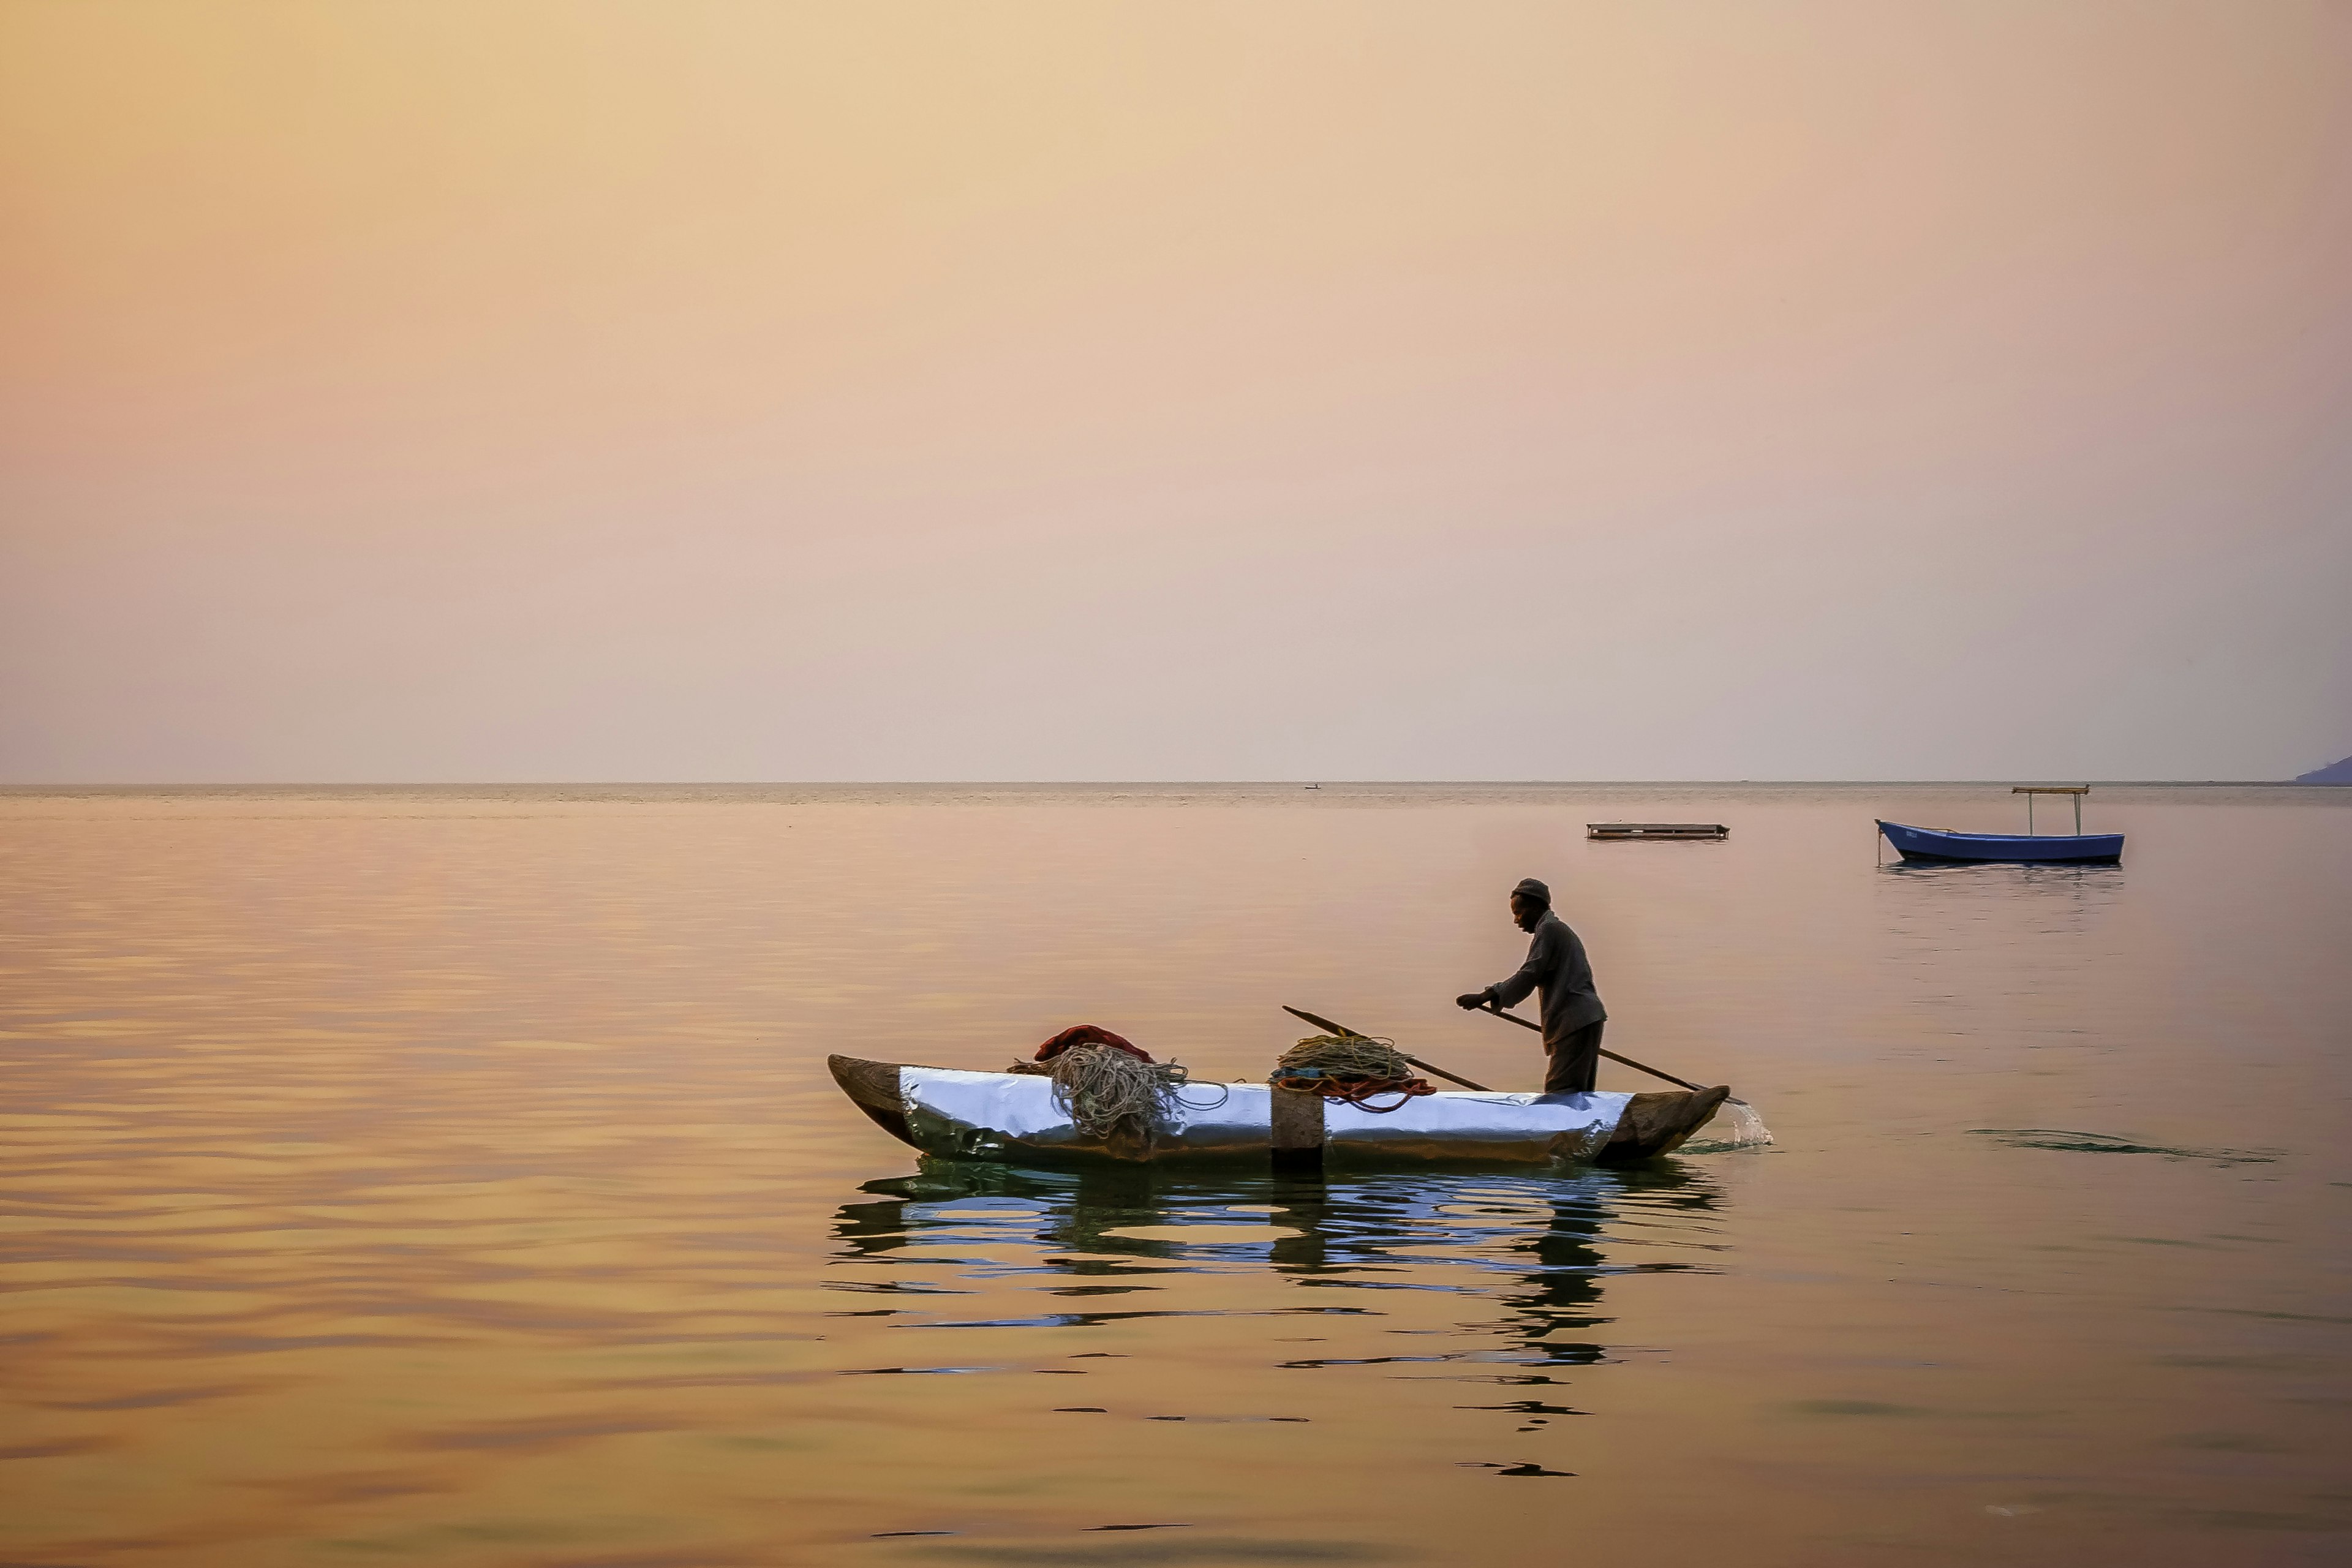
2334, 773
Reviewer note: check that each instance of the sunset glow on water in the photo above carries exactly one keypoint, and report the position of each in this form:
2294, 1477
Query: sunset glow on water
453, 1176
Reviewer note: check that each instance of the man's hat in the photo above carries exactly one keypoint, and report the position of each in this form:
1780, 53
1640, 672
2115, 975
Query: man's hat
1529, 888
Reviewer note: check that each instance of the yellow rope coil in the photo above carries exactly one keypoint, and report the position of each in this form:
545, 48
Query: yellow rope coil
1349, 1068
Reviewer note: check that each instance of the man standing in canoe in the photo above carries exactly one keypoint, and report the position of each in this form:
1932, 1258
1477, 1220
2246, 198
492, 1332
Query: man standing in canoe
1556, 966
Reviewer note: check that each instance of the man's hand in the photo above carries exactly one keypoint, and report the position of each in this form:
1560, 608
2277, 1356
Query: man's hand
1471, 1001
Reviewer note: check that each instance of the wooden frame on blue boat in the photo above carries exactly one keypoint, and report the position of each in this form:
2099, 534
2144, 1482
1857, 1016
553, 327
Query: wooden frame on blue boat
2030, 791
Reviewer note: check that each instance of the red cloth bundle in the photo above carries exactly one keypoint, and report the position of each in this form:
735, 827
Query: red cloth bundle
1088, 1034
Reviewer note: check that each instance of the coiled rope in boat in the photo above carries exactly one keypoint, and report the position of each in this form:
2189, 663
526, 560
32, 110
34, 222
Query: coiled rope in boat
1100, 1086
1350, 1069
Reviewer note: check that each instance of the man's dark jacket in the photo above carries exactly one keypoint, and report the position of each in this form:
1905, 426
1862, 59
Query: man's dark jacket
1557, 966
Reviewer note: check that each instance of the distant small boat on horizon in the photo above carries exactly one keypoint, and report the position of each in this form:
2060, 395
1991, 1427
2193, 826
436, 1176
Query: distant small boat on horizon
1943, 844
1656, 830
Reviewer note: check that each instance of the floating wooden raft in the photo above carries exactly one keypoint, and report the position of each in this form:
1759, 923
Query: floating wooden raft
1656, 830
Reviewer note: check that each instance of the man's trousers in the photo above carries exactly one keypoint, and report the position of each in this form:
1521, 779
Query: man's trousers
1575, 1062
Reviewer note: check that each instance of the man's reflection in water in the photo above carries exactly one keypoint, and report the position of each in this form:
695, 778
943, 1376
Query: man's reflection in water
1558, 1263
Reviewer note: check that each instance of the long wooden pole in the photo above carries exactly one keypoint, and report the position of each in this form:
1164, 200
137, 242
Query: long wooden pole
1329, 1027
1612, 1055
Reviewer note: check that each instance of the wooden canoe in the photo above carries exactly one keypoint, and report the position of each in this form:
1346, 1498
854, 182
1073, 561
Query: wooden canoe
1505, 1126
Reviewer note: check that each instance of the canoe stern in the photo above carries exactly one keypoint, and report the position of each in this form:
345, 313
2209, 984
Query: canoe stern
1656, 1125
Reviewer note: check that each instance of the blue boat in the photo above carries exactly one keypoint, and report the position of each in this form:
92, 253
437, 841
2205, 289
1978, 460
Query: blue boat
1935, 844
1941, 844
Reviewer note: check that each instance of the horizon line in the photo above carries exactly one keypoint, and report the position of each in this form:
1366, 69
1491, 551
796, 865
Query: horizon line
28, 787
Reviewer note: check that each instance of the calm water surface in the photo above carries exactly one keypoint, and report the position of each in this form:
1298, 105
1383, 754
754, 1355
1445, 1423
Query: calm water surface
452, 1177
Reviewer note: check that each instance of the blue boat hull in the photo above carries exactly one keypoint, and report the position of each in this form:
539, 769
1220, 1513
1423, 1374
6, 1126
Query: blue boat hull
1934, 844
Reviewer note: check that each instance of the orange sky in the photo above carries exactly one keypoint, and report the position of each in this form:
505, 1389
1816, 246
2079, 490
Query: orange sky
669, 390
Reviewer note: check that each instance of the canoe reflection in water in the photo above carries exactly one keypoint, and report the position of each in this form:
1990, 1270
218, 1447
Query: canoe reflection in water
1378, 1266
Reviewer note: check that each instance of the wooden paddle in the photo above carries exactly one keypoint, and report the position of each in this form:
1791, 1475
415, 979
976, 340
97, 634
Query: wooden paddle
1329, 1027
